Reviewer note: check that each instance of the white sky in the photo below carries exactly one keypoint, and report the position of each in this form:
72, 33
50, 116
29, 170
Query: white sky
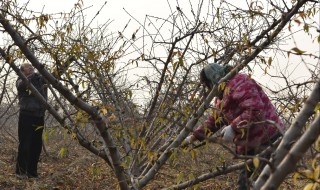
114, 10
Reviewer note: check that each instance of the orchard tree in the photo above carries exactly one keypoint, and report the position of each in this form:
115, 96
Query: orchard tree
131, 98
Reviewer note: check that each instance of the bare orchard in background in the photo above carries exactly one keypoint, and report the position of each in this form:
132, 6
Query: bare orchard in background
131, 97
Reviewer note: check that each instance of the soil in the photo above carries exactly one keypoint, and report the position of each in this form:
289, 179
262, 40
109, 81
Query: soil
80, 169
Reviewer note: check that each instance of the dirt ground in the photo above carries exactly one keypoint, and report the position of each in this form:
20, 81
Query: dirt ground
80, 169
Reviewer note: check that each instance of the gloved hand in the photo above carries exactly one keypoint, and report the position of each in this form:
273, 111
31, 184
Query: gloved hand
189, 140
228, 134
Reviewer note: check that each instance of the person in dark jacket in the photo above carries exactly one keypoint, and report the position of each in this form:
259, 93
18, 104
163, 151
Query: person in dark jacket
30, 124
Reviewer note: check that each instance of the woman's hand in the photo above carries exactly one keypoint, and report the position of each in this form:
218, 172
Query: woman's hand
189, 140
228, 134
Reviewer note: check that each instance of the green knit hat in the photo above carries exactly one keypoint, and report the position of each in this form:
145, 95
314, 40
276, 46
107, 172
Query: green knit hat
214, 72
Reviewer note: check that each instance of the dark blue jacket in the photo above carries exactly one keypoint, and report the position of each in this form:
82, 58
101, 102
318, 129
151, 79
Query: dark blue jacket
28, 103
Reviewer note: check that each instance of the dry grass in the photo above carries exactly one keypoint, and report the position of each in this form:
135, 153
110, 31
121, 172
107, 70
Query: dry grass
80, 169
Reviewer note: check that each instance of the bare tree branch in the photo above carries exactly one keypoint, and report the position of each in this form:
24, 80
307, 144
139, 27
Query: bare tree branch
292, 134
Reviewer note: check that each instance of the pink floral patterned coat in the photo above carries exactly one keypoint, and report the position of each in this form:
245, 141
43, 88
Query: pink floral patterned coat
243, 104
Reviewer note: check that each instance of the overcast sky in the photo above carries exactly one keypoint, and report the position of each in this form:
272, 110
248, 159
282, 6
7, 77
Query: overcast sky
114, 10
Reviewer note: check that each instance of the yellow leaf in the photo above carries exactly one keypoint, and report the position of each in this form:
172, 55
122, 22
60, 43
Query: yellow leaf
222, 86
214, 53
316, 173
306, 28
242, 132
63, 152
245, 36
193, 154
180, 177
91, 56
74, 136
181, 61
39, 127
314, 162
132, 142
104, 111
295, 177
218, 120
10, 59
298, 51
191, 176
256, 162
45, 135
113, 117
269, 61
227, 91
308, 187
317, 147
316, 186
174, 65
317, 108
192, 96
308, 173
150, 155
248, 168
215, 114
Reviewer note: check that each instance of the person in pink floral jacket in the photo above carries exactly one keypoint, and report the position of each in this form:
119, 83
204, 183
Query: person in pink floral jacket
243, 108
